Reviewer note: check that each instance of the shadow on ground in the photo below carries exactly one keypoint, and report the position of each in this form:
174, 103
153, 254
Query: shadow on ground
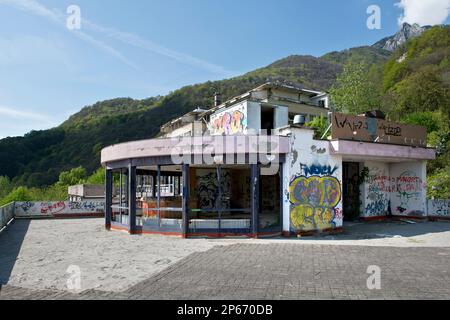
387, 229
11, 240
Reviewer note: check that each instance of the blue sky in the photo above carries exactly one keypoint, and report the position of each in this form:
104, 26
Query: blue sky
143, 48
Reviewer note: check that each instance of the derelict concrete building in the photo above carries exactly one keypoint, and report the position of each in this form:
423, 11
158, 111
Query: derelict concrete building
247, 168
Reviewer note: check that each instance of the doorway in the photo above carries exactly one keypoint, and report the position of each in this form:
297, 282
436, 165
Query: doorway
268, 119
351, 191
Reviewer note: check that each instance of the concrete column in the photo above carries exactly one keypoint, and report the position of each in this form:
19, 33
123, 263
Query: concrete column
159, 196
132, 198
255, 178
185, 200
108, 198
281, 196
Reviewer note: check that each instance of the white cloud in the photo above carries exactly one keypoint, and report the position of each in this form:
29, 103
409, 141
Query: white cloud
424, 12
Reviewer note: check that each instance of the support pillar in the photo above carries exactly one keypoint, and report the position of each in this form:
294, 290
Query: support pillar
255, 179
281, 196
159, 196
108, 198
132, 199
186, 192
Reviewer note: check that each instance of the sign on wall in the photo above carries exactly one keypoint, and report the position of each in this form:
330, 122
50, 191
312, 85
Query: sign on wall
366, 129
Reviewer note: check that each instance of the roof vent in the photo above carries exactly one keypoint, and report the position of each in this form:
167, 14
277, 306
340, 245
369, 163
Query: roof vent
217, 99
300, 120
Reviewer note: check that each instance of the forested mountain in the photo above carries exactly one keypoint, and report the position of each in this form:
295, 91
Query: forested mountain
38, 158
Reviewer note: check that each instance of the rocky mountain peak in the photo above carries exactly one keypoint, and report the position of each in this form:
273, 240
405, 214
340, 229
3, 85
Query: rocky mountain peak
406, 32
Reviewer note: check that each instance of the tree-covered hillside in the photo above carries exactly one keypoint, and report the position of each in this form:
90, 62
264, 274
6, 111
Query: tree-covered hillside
413, 86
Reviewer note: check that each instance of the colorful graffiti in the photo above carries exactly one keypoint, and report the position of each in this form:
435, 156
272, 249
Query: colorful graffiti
229, 123
408, 186
52, 207
313, 202
318, 170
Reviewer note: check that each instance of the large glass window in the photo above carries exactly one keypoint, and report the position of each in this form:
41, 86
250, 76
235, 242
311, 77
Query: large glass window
120, 209
220, 200
159, 198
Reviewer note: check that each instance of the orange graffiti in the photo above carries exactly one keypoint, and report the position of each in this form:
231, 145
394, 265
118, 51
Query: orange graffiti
229, 124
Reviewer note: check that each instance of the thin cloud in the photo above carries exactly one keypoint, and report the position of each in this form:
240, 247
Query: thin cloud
135, 40
139, 42
429, 12
21, 114
57, 17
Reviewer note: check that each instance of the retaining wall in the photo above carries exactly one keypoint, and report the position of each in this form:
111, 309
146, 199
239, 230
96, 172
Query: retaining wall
6, 214
59, 209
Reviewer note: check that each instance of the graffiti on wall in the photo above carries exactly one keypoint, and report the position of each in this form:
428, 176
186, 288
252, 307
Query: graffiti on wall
26, 206
378, 191
377, 130
318, 170
58, 208
52, 207
229, 123
439, 208
408, 187
313, 202
208, 190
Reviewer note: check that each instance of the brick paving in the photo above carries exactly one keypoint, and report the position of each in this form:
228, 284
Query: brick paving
284, 271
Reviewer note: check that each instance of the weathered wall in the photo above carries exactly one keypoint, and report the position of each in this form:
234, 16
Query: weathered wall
313, 196
59, 208
439, 208
376, 190
6, 214
408, 197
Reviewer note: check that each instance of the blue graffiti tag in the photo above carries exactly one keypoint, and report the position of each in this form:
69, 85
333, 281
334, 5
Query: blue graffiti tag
318, 170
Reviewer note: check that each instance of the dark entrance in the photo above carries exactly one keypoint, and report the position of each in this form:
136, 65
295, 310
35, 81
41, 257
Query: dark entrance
268, 119
351, 191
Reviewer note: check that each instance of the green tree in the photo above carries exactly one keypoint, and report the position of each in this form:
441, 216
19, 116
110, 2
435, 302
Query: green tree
439, 184
98, 177
320, 125
5, 186
75, 176
356, 90
18, 194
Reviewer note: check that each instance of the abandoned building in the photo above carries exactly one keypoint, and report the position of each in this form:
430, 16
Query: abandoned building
250, 167
86, 192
